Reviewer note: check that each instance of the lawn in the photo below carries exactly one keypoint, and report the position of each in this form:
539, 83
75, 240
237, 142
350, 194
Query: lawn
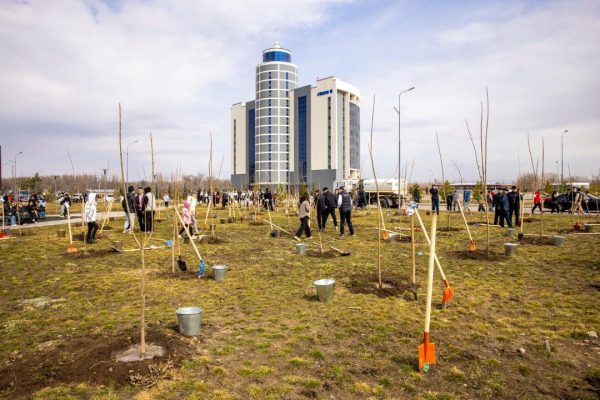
519, 327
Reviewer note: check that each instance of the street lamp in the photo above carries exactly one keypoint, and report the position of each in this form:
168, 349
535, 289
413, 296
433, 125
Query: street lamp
562, 165
105, 170
127, 152
400, 149
17, 198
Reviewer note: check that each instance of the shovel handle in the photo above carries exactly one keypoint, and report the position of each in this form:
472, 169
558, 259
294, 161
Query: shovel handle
187, 231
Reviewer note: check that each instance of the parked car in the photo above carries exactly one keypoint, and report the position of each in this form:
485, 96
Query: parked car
564, 204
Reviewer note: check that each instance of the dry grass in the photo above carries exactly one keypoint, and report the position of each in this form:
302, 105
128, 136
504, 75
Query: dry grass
266, 337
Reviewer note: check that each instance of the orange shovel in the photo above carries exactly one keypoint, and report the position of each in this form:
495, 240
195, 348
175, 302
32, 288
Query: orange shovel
427, 350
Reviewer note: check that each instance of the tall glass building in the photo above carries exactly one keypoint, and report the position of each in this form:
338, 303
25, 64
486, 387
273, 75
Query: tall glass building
292, 136
276, 76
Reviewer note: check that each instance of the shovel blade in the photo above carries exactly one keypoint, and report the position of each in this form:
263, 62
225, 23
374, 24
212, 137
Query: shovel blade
447, 297
426, 356
385, 235
71, 249
472, 247
182, 265
2, 235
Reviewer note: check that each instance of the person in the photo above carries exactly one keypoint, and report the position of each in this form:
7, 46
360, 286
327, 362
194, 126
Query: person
554, 203
490, 199
139, 208
503, 207
537, 201
514, 205
186, 217
225, 200
345, 205
455, 199
129, 201
321, 207
417, 194
166, 199
148, 207
65, 203
435, 199
466, 199
362, 198
481, 207
449, 201
585, 202
193, 221
330, 206
578, 201
90, 218
268, 199
304, 215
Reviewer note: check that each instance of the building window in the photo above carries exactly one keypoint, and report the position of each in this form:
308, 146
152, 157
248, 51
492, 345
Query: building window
302, 137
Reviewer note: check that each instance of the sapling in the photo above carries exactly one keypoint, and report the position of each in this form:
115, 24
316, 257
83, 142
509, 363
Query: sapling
380, 219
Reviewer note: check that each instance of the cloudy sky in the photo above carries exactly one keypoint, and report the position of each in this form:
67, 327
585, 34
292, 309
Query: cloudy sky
177, 66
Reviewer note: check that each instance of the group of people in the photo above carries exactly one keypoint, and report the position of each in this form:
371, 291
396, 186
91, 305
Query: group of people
23, 212
139, 203
326, 203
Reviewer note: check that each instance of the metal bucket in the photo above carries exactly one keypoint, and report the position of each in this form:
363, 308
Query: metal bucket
588, 227
117, 245
325, 288
223, 220
510, 249
510, 232
558, 240
61, 233
189, 320
301, 248
275, 233
219, 272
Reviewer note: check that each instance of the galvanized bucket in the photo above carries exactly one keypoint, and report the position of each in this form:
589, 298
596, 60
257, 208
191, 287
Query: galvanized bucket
510, 232
558, 240
588, 227
219, 272
189, 320
301, 248
325, 288
510, 249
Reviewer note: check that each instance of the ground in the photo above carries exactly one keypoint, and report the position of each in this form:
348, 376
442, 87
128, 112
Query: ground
518, 328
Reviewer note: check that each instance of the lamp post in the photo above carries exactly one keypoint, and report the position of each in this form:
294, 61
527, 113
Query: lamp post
105, 194
562, 165
400, 149
55, 178
127, 152
17, 196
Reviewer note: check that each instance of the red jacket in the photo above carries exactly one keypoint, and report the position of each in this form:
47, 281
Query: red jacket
537, 198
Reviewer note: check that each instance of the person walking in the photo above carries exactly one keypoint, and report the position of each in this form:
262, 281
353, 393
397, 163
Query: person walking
321, 207
65, 204
435, 199
537, 201
345, 205
466, 199
455, 199
268, 199
514, 205
193, 220
481, 207
578, 201
149, 207
330, 206
166, 199
304, 215
554, 203
90, 218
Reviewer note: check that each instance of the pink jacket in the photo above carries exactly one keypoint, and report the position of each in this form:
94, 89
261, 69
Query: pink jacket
185, 213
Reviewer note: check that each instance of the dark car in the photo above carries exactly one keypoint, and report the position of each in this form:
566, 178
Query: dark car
564, 204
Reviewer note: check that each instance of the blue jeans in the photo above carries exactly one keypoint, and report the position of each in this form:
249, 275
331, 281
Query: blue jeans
435, 205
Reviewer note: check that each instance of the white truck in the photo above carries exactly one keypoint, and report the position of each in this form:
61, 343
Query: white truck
388, 190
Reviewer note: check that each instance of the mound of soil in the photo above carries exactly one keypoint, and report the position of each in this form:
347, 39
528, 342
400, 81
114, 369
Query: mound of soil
368, 284
216, 240
530, 220
536, 240
479, 254
89, 253
451, 229
326, 253
91, 359
256, 223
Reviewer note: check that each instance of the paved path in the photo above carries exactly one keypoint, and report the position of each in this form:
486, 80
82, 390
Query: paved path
52, 220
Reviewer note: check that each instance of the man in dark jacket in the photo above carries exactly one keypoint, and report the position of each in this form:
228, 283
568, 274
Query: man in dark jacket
129, 214
345, 204
503, 206
514, 205
435, 199
417, 194
321, 208
268, 199
330, 206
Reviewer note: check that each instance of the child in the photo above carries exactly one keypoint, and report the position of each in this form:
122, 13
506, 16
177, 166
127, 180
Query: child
90, 218
304, 215
186, 216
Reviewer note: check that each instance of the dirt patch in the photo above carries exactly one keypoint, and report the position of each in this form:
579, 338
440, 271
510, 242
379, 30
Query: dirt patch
326, 253
480, 255
369, 284
256, 223
536, 240
451, 229
530, 220
89, 253
216, 240
190, 273
90, 359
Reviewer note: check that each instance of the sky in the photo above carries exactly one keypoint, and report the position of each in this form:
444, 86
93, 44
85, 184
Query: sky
176, 67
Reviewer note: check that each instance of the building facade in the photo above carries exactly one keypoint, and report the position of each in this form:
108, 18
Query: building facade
293, 136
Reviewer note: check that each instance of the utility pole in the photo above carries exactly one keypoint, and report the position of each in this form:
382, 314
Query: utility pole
400, 149
562, 165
